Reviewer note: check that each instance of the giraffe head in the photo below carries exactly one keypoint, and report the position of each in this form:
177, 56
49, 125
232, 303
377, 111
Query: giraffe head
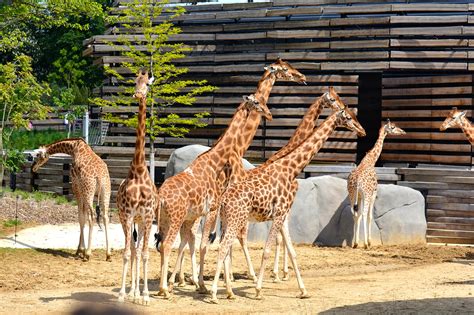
284, 71
347, 118
391, 129
252, 103
141, 83
453, 120
41, 156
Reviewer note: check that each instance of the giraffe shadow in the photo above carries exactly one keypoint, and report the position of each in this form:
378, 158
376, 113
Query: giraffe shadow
56, 252
96, 297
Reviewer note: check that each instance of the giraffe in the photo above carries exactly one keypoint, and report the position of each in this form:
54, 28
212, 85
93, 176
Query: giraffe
268, 193
362, 185
186, 196
89, 175
304, 129
279, 70
458, 119
136, 201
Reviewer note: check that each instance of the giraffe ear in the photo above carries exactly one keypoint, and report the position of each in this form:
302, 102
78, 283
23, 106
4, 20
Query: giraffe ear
246, 98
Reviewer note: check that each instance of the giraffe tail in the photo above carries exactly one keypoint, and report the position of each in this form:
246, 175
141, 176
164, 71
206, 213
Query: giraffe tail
97, 208
355, 207
158, 236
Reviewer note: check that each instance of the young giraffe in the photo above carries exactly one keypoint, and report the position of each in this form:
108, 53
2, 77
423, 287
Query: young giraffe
458, 119
304, 129
279, 70
362, 185
136, 201
190, 194
89, 175
268, 195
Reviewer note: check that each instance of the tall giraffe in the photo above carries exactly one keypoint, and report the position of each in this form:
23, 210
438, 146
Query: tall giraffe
279, 70
362, 184
89, 176
457, 118
304, 129
268, 195
187, 196
136, 201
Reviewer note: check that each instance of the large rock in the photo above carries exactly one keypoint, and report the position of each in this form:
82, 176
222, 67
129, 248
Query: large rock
182, 157
321, 214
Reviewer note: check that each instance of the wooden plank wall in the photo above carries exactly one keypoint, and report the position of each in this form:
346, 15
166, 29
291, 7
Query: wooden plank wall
449, 202
419, 104
330, 41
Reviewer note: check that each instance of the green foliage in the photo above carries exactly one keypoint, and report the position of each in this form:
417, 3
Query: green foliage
14, 161
11, 223
154, 48
65, 101
22, 140
21, 95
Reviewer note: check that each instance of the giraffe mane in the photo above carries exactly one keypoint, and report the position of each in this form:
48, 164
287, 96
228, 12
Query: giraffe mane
65, 140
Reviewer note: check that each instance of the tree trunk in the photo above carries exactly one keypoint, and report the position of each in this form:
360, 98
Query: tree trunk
152, 159
2, 167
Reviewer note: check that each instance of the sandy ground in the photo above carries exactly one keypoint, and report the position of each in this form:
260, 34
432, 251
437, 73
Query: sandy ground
407, 279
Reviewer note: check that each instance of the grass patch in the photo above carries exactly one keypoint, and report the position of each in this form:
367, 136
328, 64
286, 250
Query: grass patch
11, 223
39, 196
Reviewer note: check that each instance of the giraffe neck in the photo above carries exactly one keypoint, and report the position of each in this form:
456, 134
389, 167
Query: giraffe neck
139, 154
69, 147
297, 159
372, 156
248, 131
305, 128
468, 129
216, 157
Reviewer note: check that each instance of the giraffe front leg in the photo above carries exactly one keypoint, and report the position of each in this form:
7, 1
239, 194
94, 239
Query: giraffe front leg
227, 277
275, 276
369, 218
178, 267
276, 226
209, 224
243, 243
145, 256
292, 253
285, 229
224, 248
166, 252
126, 257
192, 252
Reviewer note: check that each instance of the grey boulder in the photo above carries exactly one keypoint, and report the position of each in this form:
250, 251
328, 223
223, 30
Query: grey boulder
321, 215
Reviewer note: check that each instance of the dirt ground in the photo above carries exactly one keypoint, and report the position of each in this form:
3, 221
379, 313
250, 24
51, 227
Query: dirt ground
409, 279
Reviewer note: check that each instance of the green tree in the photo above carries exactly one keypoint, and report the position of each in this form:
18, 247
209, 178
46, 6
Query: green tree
152, 50
22, 98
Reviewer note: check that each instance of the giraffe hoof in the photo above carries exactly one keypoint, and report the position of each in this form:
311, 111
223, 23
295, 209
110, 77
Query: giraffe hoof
182, 283
87, 257
258, 295
231, 296
304, 295
121, 298
276, 279
286, 276
166, 294
214, 300
108, 258
203, 290
355, 245
170, 287
146, 300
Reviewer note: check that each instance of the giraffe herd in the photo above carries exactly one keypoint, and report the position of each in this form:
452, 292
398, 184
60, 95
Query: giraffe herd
216, 185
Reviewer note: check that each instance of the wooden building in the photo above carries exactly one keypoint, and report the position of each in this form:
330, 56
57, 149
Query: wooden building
410, 61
